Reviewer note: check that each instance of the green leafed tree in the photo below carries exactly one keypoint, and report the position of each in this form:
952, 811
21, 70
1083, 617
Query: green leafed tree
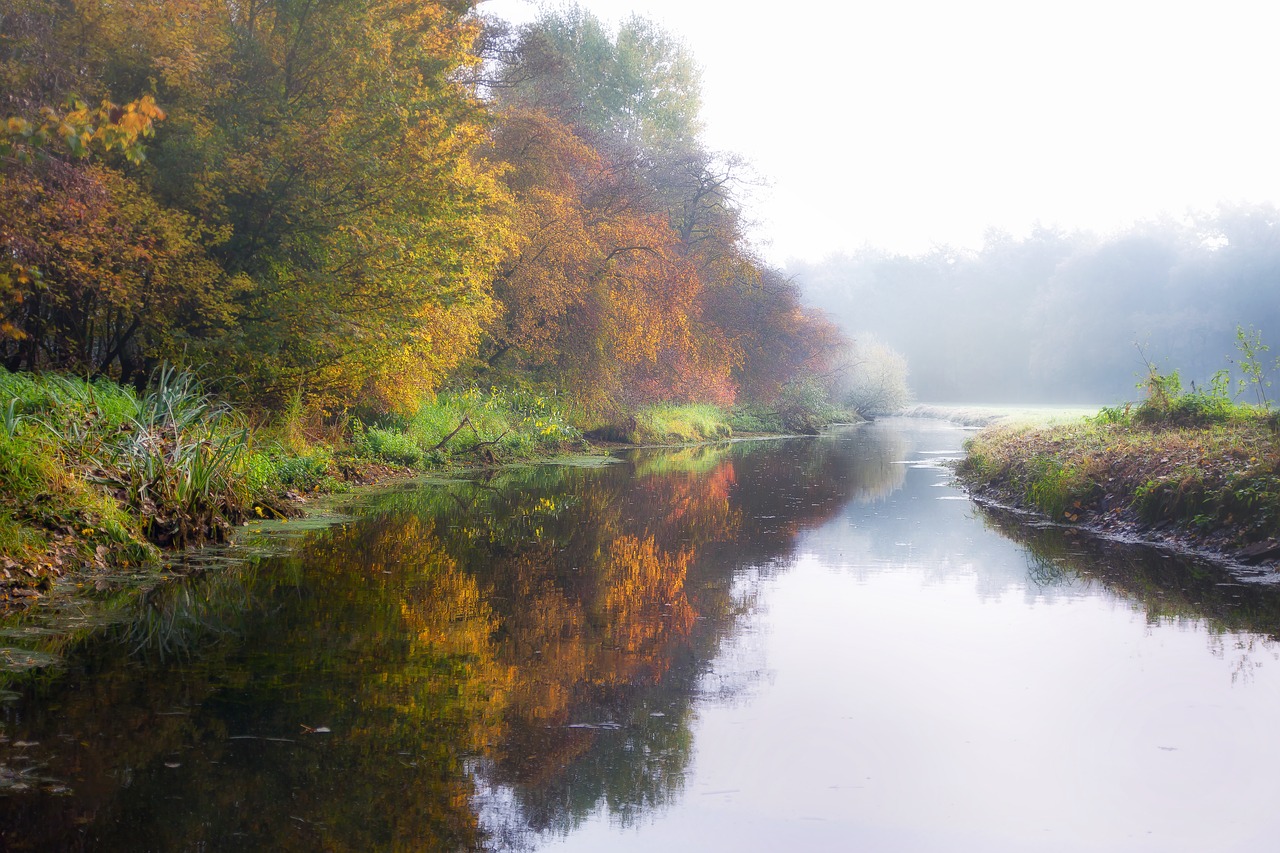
639, 85
338, 162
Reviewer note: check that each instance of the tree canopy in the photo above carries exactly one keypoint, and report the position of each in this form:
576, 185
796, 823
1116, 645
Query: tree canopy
345, 200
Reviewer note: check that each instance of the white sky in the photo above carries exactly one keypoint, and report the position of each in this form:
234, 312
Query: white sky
902, 124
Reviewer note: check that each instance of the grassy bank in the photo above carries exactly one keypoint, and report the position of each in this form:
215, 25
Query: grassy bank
94, 475
471, 427
666, 423
1193, 467
95, 478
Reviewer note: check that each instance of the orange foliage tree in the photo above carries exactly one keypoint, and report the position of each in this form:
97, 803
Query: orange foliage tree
121, 282
598, 294
632, 263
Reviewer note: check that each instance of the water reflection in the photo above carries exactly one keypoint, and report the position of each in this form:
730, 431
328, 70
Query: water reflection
536, 637
1240, 617
531, 657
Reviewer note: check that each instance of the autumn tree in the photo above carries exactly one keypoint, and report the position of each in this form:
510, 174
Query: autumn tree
633, 274
601, 292
95, 275
337, 161
873, 378
117, 282
322, 155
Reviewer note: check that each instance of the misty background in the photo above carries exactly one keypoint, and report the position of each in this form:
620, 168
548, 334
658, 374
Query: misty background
1058, 316
883, 161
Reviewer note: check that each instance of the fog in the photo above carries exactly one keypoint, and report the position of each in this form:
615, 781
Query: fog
904, 126
908, 124
1061, 316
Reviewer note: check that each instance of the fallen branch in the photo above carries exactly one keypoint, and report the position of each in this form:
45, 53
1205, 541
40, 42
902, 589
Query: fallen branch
466, 419
473, 448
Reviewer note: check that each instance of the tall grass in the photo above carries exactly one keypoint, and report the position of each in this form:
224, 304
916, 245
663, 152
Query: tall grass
178, 460
669, 423
166, 467
46, 494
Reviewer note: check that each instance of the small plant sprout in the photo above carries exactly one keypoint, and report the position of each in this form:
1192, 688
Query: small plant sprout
1250, 346
11, 418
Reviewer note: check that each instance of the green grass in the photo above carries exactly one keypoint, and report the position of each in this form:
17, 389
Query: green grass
800, 410
755, 419
54, 510
669, 423
96, 474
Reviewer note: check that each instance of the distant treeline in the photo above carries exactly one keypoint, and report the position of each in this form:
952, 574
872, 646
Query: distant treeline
1064, 316
359, 201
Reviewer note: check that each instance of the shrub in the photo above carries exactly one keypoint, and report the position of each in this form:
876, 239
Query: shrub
509, 423
803, 407
752, 418
1055, 486
1167, 404
303, 471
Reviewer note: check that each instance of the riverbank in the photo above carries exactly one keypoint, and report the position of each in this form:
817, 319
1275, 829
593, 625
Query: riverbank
1207, 484
99, 480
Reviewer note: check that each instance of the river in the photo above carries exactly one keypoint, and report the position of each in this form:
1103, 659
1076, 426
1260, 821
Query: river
811, 644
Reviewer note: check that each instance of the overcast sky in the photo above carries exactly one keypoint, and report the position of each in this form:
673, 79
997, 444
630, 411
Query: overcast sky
902, 124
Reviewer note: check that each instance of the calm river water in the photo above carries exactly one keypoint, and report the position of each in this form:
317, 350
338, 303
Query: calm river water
811, 644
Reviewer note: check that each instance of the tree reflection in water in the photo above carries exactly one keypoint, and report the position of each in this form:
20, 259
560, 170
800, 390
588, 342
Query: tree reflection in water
1240, 618
528, 645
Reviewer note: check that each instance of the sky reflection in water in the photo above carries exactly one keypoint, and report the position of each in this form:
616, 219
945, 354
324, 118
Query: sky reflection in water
928, 684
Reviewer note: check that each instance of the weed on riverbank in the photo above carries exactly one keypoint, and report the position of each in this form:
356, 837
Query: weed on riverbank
96, 475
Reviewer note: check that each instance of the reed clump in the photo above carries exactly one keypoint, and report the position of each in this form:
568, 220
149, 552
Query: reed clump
95, 474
